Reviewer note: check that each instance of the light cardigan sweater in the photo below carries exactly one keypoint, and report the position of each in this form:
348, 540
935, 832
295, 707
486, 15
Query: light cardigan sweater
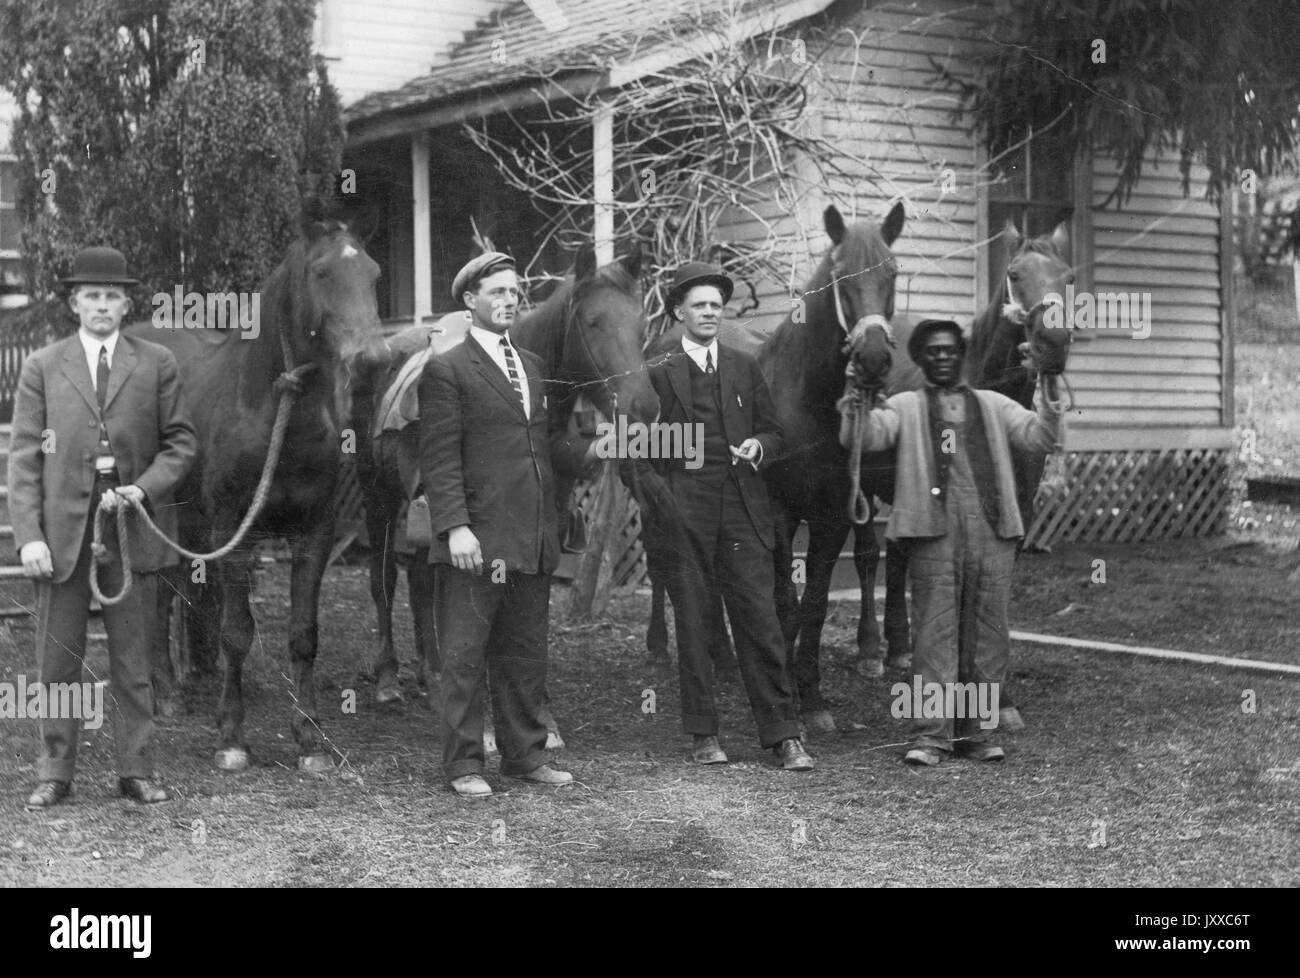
904, 422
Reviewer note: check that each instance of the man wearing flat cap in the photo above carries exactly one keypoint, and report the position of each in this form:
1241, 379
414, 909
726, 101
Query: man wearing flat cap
486, 465
727, 530
98, 418
955, 514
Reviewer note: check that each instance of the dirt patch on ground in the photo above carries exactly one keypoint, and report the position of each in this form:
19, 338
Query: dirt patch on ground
1131, 772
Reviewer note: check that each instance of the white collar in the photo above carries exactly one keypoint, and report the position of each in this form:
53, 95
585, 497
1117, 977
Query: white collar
487, 339
91, 344
699, 351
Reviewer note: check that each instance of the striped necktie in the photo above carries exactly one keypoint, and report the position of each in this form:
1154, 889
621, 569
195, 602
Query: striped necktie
708, 361
512, 371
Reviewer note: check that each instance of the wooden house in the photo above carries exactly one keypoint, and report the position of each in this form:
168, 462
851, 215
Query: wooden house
1152, 427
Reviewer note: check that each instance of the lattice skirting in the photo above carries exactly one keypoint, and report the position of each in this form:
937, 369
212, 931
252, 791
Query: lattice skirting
1125, 496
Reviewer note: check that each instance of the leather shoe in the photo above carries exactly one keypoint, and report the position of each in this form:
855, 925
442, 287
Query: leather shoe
143, 790
981, 751
707, 750
546, 775
49, 793
923, 756
471, 786
793, 756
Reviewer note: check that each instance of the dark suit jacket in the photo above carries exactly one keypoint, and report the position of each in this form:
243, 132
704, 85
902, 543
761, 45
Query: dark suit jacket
485, 465
153, 441
747, 412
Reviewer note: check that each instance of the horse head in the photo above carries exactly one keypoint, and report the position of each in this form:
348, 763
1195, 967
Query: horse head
1038, 273
603, 333
862, 271
331, 316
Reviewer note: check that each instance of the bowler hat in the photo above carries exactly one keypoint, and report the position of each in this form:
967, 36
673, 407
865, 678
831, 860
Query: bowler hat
99, 266
695, 273
479, 268
927, 328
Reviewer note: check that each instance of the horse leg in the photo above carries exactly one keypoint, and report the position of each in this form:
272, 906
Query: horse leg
236, 639
420, 588
866, 557
168, 700
310, 554
656, 636
825, 541
898, 634
381, 518
202, 624
787, 599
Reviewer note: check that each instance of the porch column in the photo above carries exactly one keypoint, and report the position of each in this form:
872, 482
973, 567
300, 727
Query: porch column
421, 248
602, 138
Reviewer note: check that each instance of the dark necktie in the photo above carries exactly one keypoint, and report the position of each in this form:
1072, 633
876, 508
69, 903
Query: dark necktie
101, 380
708, 361
512, 371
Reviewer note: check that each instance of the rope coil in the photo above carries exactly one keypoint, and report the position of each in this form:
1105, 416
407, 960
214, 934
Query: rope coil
286, 386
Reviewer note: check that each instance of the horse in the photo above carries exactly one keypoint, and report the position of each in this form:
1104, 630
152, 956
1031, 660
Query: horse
588, 333
318, 321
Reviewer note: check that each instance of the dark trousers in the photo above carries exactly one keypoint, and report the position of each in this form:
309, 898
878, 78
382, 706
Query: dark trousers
62, 611
721, 554
504, 625
961, 590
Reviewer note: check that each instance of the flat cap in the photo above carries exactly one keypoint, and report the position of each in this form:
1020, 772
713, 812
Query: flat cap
478, 268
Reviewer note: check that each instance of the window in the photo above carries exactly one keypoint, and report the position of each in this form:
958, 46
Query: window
11, 281
1035, 189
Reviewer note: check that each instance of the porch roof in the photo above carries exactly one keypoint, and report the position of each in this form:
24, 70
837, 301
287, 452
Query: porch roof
554, 47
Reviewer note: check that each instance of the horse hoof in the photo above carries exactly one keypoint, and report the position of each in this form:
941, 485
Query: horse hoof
871, 668
819, 721
316, 763
490, 741
899, 663
554, 741
232, 759
388, 694
169, 708
1009, 719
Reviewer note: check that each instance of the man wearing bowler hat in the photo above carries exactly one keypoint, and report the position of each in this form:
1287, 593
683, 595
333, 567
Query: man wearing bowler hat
727, 534
98, 419
956, 515
486, 464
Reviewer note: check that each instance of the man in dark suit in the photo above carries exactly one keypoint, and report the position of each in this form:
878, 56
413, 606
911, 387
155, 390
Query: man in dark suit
98, 418
727, 529
486, 464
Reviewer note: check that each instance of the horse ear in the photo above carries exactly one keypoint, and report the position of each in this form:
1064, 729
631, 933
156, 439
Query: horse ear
1011, 235
364, 223
893, 225
1061, 241
834, 224
632, 260
584, 266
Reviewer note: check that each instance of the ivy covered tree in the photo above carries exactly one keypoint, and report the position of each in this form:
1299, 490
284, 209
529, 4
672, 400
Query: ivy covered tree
190, 134
1203, 80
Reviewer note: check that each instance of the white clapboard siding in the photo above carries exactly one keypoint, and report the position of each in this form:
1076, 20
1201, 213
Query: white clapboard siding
383, 44
1167, 245
884, 110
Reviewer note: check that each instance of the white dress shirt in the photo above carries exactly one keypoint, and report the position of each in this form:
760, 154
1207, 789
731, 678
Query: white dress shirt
699, 353
491, 342
91, 345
